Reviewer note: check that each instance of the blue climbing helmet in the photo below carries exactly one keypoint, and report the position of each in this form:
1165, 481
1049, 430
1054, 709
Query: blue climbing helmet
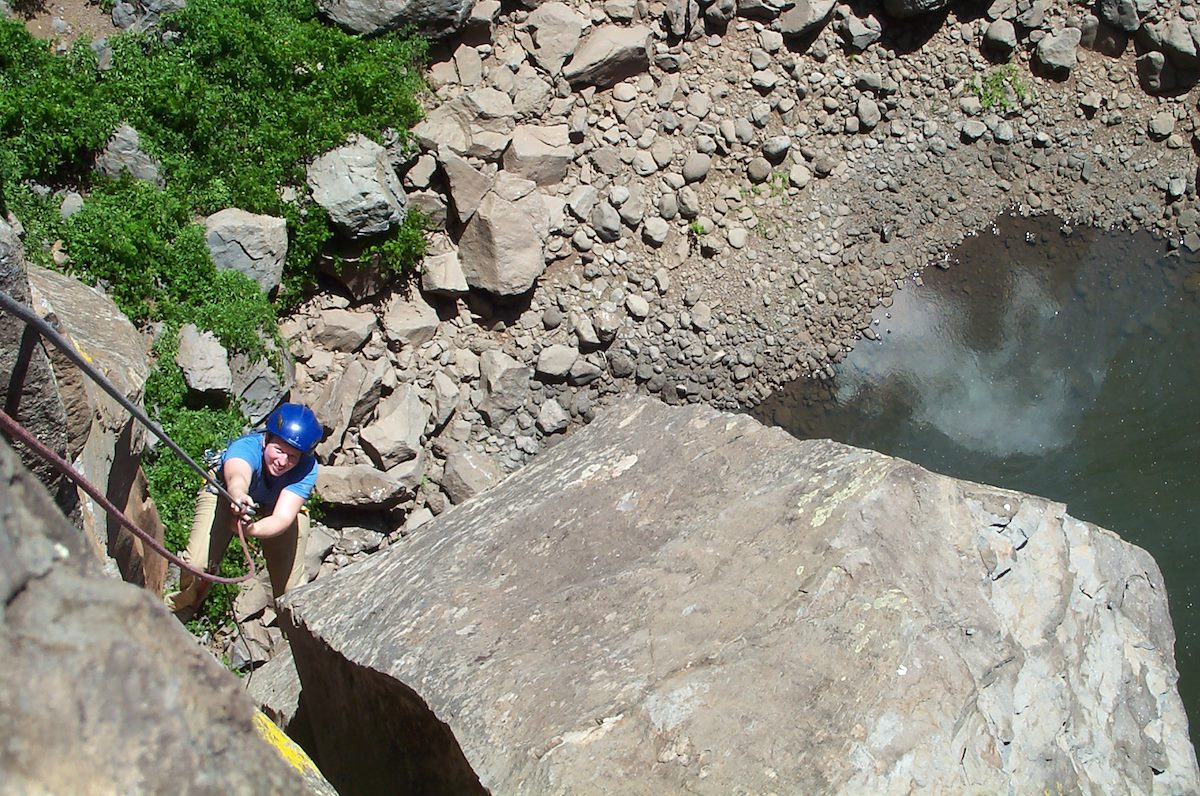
296, 425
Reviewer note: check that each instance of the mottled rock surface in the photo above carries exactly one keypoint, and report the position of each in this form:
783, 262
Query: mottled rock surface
683, 600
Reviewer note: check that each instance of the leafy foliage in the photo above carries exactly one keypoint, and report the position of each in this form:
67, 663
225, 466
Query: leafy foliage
1001, 88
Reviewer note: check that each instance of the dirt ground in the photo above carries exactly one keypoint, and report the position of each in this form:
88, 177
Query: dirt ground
64, 21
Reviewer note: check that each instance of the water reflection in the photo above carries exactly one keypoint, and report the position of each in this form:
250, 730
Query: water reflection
1057, 362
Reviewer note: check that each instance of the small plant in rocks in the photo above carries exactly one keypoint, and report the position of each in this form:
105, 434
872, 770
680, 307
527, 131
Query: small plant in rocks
1001, 88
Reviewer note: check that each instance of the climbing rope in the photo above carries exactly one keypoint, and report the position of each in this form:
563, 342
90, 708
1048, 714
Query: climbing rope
14, 429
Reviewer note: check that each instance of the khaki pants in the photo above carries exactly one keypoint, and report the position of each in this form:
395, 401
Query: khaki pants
212, 531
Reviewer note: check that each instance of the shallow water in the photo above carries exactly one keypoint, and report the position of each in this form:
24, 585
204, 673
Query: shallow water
1064, 363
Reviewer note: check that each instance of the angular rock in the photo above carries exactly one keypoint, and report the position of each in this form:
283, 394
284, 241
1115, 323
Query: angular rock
682, 19
435, 19
343, 330
555, 361
476, 124
360, 486
467, 474
395, 436
609, 55
123, 155
554, 29
1057, 51
505, 384
251, 244
1000, 38
442, 274
358, 187
467, 185
502, 247
256, 385
126, 701
552, 418
806, 18
539, 153
410, 321
841, 613
1121, 14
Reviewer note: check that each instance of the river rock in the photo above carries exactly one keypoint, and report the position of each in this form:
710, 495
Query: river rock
777, 614
432, 18
358, 187
252, 244
502, 247
608, 55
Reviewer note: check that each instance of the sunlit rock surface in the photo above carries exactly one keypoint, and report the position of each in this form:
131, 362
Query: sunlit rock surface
683, 600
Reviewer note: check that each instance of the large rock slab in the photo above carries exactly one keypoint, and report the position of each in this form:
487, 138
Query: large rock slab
432, 18
102, 690
358, 187
252, 244
681, 600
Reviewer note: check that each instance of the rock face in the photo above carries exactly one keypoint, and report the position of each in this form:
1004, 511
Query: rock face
124, 701
433, 18
684, 600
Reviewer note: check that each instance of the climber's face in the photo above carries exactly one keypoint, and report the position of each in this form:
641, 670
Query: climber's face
279, 457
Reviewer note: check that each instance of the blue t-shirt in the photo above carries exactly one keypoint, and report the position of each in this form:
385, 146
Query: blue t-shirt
264, 490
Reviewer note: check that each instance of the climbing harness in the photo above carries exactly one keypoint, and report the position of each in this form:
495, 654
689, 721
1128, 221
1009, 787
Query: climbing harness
14, 429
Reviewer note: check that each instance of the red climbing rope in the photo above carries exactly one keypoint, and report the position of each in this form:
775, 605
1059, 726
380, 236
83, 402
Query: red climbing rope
14, 429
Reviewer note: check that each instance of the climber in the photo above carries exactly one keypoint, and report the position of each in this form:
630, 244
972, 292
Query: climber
270, 475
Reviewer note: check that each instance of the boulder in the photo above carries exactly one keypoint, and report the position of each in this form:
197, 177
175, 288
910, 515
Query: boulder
345, 330
555, 361
553, 31
467, 185
502, 247
433, 18
257, 387
442, 274
1057, 52
682, 19
539, 153
347, 400
251, 244
907, 9
505, 385
102, 690
681, 600
204, 362
358, 187
477, 124
104, 441
395, 436
1121, 14
123, 154
609, 55
806, 18
467, 474
552, 418
34, 400
410, 320
360, 486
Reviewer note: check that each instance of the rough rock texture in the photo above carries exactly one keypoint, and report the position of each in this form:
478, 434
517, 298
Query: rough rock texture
30, 392
105, 442
501, 249
252, 244
608, 55
683, 600
204, 361
358, 187
103, 691
123, 154
433, 18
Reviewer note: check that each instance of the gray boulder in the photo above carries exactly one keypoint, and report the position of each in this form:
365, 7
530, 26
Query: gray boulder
360, 485
123, 154
410, 321
478, 123
467, 474
251, 244
1121, 14
668, 582
344, 330
442, 274
125, 701
502, 248
555, 361
553, 31
433, 18
539, 153
467, 185
396, 436
358, 187
609, 55
505, 385
1000, 38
